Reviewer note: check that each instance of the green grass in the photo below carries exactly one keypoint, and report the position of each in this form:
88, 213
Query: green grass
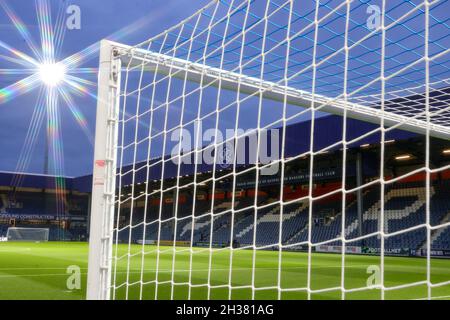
39, 271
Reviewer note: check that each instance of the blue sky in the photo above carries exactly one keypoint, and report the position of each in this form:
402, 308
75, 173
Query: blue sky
102, 18
99, 19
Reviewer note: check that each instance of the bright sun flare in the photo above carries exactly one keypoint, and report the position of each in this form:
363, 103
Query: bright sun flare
52, 73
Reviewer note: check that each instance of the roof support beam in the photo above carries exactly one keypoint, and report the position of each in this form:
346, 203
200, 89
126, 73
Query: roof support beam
182, 69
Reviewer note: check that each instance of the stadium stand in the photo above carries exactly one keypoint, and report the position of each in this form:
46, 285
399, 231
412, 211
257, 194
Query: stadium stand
33, 203
203, 218
404, 208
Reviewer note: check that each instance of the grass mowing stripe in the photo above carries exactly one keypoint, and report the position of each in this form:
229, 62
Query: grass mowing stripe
18, 260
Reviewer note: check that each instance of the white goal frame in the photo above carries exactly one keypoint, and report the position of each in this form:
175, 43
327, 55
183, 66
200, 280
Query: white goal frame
112, 57
280, 54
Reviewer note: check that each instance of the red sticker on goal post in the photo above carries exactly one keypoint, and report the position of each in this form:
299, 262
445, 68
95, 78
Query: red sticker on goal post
100, 163
99, 172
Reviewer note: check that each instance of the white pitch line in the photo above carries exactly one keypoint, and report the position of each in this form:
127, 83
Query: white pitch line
37, 268
434, 298
133, 271
15, 250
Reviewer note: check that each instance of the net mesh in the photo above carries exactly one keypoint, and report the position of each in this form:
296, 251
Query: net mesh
27, 234
232, 173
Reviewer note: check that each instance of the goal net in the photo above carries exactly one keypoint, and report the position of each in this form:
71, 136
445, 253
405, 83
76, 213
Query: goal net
27, 234
275, 150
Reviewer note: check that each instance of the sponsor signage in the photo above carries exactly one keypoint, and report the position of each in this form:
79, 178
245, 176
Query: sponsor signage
177, 243
146, 242
27, 216
338, 249
204, 244
301, 177
433, 252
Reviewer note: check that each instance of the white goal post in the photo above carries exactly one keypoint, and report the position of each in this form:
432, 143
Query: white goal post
27, 234
266, 55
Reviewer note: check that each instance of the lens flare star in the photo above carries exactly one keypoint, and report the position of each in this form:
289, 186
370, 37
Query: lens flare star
55, 79
52, 74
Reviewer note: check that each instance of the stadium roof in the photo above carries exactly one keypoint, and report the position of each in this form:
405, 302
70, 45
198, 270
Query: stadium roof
297, 143
31, 180
328, 133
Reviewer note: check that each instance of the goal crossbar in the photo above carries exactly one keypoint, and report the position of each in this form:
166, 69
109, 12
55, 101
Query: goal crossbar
143, 60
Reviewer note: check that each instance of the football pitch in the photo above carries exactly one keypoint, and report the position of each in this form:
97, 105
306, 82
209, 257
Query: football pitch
43, 271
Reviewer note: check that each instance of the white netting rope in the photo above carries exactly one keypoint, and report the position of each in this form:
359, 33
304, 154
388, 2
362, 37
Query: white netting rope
210, 38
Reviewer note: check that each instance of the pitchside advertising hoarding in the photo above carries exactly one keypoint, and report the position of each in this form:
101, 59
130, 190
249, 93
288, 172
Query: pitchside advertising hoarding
387, 251
165, 243
433, 253
405, 252
204, 244
338, 249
